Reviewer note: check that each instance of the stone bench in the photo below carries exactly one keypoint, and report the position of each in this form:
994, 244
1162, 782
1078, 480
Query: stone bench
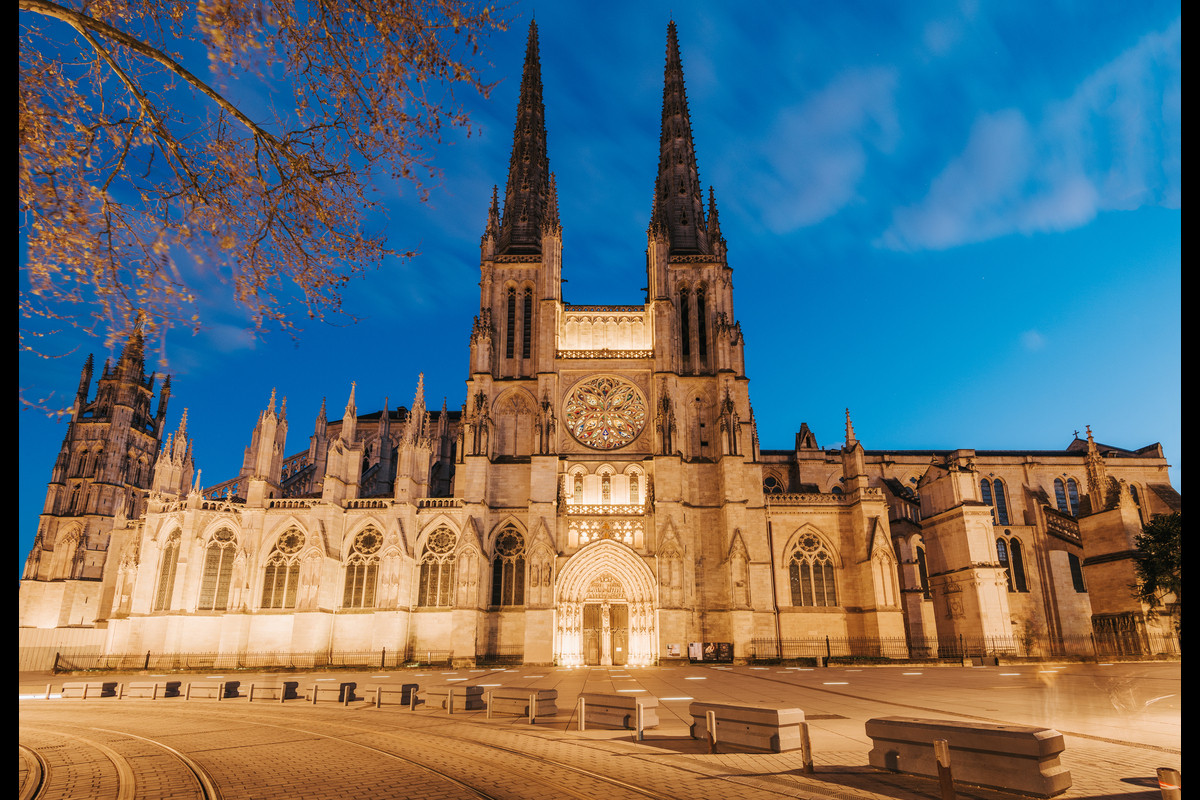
509, 700
274, 690
1015, 758
332, 693
619, 710
466, 698
211, 690
84, 690
390, 694
152, 689
761, 727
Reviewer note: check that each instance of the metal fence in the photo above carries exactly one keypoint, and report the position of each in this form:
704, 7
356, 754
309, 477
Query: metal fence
962, 647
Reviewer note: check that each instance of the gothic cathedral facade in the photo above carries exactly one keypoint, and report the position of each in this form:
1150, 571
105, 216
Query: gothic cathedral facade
600, 498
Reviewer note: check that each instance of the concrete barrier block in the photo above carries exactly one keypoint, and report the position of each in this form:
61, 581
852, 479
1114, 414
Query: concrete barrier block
507, 700
1014, 758
761, 727
620, 710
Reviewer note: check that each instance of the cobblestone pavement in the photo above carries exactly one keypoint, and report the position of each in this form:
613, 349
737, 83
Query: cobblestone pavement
1121, 721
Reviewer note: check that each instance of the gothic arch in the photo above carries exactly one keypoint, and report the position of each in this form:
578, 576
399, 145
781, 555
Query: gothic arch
627, 580
509, 521
514, 413
358, 527
808, 529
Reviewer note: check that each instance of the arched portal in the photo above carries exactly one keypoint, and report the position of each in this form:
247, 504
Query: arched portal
607, 609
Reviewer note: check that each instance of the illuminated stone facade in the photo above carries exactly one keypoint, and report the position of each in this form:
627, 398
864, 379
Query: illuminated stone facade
600, 498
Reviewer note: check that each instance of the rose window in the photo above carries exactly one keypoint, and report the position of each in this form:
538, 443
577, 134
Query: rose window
605, 413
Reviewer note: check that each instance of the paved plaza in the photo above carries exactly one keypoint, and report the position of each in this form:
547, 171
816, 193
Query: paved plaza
1121, 721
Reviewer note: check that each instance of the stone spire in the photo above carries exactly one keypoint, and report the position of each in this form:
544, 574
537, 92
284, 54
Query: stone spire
678, 211
527, 193
850, 440
350, 417
1097, 475
715, 239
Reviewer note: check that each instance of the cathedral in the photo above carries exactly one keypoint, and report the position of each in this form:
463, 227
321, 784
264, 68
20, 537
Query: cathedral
601, 496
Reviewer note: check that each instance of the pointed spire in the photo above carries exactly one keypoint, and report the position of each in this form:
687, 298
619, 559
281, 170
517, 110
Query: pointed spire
678, 202
271, 404
525, 194
132, 363
850, 440
550, 223
493, 220
714, 223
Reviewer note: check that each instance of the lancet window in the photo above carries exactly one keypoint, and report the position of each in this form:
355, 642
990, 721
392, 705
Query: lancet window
811, 574
701, 326
527, 324
508, 569
1076, 572
436, 585
166, 574
685, 328
923, 571
362, 570
282, 576
510, 333
992, 493
635, 490
218, 571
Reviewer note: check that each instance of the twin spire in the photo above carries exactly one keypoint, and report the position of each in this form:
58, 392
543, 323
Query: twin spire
529, 199
531, 196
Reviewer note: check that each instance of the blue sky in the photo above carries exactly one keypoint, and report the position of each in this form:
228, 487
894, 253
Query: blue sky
960, 220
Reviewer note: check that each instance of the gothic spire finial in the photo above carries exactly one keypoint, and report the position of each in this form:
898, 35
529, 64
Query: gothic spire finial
678, 201
850, 440
526, 192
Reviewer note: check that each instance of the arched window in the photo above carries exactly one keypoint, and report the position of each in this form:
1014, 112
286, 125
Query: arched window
1076, 572
578, 488
362, 570
1073, 495
635, 490
685, 328
811, 573
218, 571
1137, 499
282, 575
772, 485
923, 571
510, 333
166, 574
606, 488
701, 332
436, 585
992, 493
527, 324
1001, 502
508, 569
1018, 565
1060, 496
1002, 556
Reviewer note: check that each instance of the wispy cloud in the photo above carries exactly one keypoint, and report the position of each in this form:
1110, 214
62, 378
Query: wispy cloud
1113, 144
815, 155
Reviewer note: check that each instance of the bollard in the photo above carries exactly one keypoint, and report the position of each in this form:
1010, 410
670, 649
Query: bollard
220, 691
314, 700
252, 693
120, 691
283, 691
378, 696
581, 708
85, 688
154, 691
941, 752
487, 698
412, 700
710, 725
187, 693
639, 714
532, 709
345, 696
450, 701
48, 685
1170, 783
806, 750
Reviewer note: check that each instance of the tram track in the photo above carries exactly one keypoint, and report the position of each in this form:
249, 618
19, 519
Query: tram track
523, 770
